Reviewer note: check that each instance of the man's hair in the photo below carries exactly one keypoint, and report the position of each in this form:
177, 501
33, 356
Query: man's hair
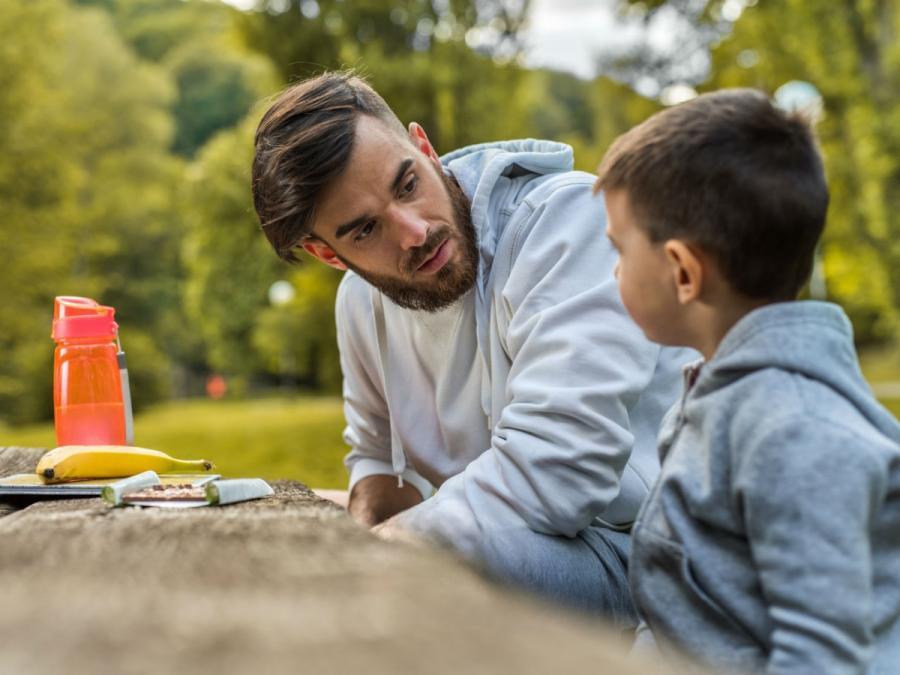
736, 176
304, 142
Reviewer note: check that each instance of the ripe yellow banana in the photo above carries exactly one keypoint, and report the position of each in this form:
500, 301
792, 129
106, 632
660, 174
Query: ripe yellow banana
78, 462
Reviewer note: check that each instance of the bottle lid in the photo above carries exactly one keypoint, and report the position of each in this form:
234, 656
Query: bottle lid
75, 317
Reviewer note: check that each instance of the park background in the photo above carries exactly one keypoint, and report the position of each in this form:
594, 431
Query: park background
126, 131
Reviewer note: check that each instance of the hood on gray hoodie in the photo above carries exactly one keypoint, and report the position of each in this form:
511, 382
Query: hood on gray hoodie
770, 542
809, 338
478, 170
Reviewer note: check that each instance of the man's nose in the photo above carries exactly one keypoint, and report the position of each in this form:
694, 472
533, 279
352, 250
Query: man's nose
411, 228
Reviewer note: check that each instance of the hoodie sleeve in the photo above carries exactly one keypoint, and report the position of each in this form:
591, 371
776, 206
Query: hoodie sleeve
368, 430
809, 491
577, 364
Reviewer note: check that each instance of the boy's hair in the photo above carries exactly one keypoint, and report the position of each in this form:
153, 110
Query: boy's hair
303, 142
736, 176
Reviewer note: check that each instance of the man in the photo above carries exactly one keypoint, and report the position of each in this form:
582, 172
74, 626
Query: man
486, 353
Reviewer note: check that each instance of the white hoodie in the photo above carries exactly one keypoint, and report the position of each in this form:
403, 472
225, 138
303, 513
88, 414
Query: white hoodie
533, 401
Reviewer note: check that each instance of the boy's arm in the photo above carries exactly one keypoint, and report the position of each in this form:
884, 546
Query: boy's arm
809, 492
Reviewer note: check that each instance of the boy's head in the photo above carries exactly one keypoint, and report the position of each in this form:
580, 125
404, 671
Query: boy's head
724, 188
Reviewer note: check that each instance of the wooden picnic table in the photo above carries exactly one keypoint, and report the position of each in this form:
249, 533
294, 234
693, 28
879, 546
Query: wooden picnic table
285, 584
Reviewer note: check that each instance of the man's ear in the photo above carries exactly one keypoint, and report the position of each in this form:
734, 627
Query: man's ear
420, 139
322, 251
686, 268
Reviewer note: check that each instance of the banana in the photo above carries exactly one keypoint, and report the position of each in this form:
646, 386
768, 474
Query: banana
78, 462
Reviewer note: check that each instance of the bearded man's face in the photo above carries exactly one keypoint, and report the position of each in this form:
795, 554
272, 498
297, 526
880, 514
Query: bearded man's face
395, 219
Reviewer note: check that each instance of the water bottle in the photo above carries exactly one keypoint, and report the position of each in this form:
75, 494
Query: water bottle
91, 396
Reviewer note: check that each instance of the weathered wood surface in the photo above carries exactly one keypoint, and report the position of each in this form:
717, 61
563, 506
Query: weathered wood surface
287, 584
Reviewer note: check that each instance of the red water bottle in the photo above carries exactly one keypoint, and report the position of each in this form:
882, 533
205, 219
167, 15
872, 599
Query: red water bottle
91, 398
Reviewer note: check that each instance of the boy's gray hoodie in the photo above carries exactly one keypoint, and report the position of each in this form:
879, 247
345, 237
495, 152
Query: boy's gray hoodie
772, 540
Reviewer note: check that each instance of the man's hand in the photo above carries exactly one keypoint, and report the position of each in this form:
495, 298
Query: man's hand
389, 531
376, 498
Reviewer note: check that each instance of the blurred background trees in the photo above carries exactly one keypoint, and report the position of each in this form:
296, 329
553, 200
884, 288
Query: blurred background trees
849, 50
126, 133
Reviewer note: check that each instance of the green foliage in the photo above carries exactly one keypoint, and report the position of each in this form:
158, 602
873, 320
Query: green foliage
85, 179
459, 97
126, 136
230, 266
298, 341
154, 27
216, 83
124, 167
216, 90
849, 52
303, 38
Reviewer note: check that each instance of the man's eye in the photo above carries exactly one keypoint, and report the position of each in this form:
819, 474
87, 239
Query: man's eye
364, 231
410, 186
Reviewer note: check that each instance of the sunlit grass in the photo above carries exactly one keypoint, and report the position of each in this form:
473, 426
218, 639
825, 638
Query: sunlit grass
893, 405
881, 365
297, 438
271, 438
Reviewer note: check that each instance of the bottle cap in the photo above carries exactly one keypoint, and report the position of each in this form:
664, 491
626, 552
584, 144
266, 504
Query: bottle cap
75, 317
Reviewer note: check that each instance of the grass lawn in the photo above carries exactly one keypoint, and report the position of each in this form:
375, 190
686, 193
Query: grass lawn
883, 365
893, 404
296, 438
270, 438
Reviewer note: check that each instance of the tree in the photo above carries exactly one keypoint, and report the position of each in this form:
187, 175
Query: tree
298, 341
229, 264
152, 28
85, 180
849, 51
303, 37
217, 87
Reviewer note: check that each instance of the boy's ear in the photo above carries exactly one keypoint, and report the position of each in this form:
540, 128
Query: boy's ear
420, 139
322, 251
686, 268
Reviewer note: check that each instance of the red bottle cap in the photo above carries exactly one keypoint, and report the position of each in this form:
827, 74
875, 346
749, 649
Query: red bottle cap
75, 317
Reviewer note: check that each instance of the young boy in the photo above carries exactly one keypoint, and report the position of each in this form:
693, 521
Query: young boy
771, 542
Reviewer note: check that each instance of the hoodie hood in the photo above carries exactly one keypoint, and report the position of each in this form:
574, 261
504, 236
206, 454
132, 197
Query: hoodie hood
809, 338
479, 168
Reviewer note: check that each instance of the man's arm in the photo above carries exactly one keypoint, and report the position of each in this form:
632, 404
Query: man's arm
374, 492
577, 365
376, 498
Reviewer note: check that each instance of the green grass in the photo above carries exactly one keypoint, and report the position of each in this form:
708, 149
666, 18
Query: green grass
893, 404
296, 438
881, 365
270, 438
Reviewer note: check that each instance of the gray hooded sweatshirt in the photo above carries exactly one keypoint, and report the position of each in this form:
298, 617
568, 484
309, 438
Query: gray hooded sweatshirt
771, 542
534, 401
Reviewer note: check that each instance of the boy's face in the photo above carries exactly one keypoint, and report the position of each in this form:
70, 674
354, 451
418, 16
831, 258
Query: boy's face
396, 220
644, 273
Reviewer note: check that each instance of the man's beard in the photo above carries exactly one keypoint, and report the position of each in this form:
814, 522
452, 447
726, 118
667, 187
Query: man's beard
451, 281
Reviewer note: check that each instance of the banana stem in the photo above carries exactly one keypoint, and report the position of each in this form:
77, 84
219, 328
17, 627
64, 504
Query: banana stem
191, 465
